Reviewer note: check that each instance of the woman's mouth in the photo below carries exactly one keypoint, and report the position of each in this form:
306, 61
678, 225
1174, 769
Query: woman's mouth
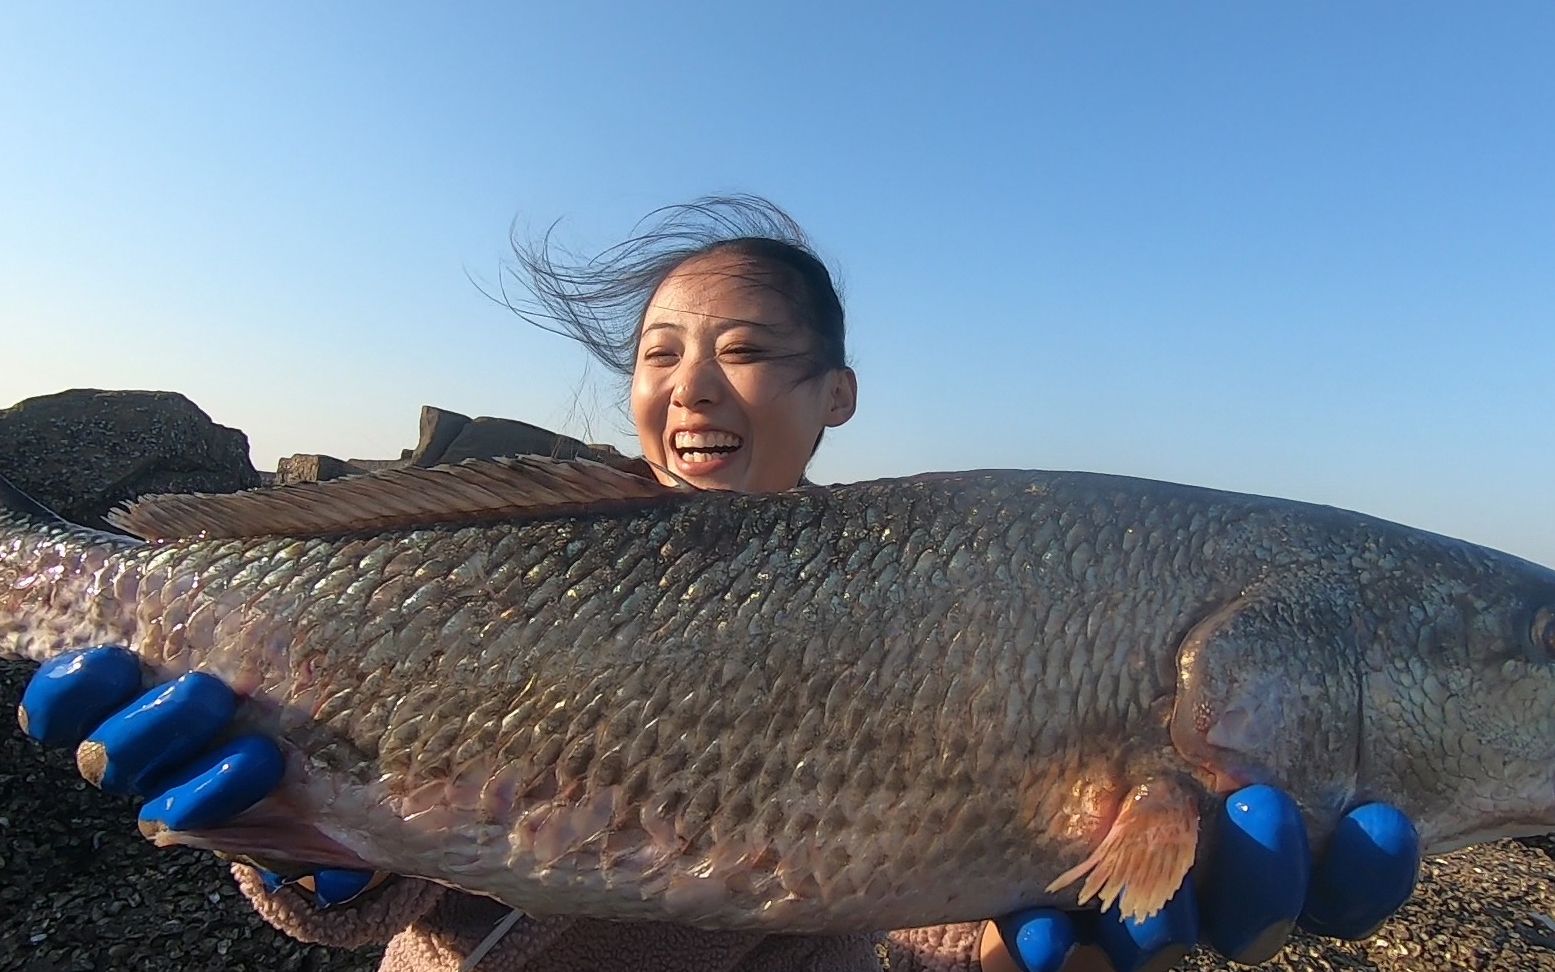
705, 448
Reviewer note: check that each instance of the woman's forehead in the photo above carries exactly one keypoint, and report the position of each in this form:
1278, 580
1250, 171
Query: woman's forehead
722, 293
708, 279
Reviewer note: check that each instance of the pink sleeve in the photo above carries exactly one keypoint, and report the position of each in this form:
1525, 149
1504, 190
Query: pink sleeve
938, 948
380, 915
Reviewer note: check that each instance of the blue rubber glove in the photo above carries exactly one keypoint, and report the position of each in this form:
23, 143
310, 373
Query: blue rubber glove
1259, 884
168, 745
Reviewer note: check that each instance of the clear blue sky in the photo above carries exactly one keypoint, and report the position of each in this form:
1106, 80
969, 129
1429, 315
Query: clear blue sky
1305, 250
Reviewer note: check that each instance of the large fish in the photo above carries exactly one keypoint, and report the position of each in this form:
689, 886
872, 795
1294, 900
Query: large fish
858, 707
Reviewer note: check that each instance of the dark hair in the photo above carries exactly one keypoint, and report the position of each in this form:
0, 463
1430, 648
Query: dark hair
600, 301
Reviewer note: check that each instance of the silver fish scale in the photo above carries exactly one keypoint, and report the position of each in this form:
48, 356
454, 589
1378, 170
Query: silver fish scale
857, 707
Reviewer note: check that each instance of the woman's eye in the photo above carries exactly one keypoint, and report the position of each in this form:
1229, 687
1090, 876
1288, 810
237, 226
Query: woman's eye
741, 351
658, 355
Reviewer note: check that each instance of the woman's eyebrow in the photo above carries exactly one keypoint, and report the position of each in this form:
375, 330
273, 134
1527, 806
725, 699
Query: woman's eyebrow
731, 321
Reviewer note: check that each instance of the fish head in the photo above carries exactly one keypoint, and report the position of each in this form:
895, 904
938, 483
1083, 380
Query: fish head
1459, 696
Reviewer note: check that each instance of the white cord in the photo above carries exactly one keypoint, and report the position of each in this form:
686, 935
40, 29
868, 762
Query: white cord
490, 941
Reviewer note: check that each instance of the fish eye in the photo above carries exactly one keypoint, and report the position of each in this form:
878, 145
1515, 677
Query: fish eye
1543, 630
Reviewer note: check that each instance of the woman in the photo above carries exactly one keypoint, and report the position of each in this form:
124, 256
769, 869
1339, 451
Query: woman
733, 338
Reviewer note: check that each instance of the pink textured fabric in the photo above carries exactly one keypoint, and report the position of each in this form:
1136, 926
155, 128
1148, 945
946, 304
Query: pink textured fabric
939, 948
432, 929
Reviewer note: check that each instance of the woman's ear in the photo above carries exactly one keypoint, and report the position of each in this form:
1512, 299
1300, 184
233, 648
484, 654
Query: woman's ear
844, 397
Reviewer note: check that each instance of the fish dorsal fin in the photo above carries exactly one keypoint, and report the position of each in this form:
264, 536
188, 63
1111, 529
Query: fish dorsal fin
524, 487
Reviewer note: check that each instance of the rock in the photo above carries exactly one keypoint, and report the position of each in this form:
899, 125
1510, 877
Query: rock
378, 465
313, 468
307, 467
83, 452
486, 437
449, 437
439, 428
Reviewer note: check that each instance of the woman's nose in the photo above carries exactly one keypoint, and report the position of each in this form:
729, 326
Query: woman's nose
697, 383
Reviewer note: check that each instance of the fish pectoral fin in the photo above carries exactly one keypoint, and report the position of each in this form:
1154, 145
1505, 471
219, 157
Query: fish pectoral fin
1146, 854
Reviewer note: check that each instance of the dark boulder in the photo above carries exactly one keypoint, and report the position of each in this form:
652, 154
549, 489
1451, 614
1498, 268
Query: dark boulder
83, 452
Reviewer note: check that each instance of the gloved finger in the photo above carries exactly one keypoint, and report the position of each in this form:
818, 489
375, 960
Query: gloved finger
159, 730
71, 693
1153, 944
1256, 878
336, 886
1367, 872
214, 786
1039, 939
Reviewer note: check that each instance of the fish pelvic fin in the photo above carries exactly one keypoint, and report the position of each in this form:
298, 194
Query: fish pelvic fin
476, 490
1145, 855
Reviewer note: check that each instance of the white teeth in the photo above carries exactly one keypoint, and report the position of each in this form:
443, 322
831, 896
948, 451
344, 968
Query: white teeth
691, 458
711, 439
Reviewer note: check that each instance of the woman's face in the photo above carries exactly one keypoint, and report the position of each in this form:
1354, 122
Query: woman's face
719, 393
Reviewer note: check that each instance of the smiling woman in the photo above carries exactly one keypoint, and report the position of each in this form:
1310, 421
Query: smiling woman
730, 389
730, 330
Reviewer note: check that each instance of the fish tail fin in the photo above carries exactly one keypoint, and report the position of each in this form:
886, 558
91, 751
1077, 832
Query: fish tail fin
52, 596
